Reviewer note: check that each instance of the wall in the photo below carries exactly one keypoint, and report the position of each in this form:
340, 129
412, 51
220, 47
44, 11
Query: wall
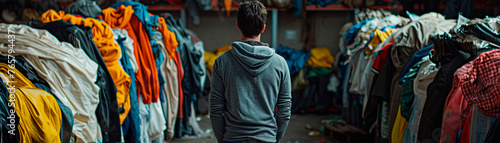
217, 31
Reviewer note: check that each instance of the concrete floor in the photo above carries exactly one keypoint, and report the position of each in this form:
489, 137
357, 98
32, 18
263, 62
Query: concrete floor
295, 133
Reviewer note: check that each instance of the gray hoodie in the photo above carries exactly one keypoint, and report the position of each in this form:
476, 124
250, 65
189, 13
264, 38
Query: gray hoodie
248, 83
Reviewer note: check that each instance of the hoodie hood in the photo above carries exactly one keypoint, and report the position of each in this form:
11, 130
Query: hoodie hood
254, 58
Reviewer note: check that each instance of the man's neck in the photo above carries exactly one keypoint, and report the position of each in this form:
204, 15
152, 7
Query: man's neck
256, 38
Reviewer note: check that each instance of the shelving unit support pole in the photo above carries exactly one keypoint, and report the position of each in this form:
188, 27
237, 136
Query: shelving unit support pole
274, 28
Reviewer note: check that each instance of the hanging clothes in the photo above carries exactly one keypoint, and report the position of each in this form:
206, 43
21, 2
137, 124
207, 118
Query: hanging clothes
426, 74
39, 113
456, 109
413, 37
191, 55
479, 126
110, 51
150, 22
169, 71
47, 54
147, 76
379, 37
431, 120
108, 108
129, 64
480, 87
401, 121
180, 72
159, 126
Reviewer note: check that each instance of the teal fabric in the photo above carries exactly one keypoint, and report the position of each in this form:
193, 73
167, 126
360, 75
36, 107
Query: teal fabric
319, 72
408, 94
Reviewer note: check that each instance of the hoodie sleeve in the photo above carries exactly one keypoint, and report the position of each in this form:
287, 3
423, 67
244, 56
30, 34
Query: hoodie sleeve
217, 104
284, 104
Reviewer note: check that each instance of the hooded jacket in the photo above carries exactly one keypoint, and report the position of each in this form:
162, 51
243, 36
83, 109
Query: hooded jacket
248, 83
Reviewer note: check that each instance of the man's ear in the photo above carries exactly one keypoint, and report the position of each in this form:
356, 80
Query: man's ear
238, 26
263, 28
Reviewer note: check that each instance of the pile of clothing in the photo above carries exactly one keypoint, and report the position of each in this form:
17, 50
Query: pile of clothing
311, 71
110, 75
310, 85
425, 80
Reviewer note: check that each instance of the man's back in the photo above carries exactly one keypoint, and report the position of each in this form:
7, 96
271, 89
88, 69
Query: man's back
249, 82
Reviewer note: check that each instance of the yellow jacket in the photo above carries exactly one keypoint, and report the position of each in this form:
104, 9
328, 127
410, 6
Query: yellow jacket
321, 57
210, 57
39, 113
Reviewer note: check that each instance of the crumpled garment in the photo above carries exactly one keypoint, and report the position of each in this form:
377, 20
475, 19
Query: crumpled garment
39, 114
46, 54
411, 38
319, 72
110, 51
133, 120
169, 38
468, 36
210, 57
351, 33
408, 95
5, 112
128, 45
379, 37
416, 36
456, 108
399, 128
416, 58
107, 109
480, 83
296, 59
193, 65
321, 57
148, 20
425, 76
85, 8
27, 70
171, 92
147, 76
371, 14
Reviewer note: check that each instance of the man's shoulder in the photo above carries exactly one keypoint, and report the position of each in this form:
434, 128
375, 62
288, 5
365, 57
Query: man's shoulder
279, 59
224, 56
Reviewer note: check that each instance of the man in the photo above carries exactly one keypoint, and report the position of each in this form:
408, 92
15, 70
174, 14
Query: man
250, 99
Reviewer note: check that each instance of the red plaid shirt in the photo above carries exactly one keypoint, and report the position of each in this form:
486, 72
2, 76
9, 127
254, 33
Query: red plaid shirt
480, 86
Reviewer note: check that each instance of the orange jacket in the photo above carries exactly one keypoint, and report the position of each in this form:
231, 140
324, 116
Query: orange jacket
109, 49
147, 76
169, 38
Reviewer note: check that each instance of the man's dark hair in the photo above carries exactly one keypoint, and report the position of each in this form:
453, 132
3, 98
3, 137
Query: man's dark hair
252, 16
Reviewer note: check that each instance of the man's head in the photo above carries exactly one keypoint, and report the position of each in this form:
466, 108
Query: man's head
251, 18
